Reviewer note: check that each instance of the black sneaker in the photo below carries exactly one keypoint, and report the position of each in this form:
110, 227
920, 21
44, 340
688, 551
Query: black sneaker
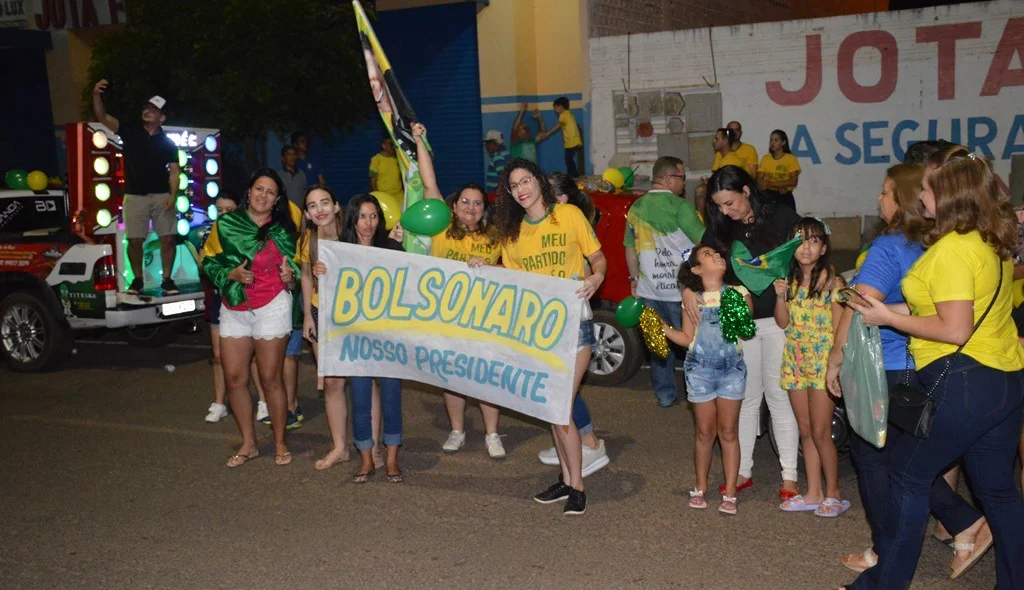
298, 413
292, 423
169, 288
577, 502
555, 493
136, 287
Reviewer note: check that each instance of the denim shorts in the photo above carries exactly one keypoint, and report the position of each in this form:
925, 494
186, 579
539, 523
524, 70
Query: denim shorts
294, 344
587, 336
710, 378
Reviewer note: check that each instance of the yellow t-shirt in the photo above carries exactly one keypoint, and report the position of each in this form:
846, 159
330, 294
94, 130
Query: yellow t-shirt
778, 170
730, 159
556, 245
962, 267
746, 154
474, 244
570, 130
389, 177
302, 257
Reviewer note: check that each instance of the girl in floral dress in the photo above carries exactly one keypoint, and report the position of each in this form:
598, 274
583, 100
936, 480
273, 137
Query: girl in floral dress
806, 305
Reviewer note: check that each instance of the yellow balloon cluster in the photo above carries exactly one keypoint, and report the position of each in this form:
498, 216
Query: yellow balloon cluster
614, 177
653, 329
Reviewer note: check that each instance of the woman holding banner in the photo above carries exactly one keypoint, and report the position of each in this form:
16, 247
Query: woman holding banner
472, 238
364, 225
527, 213
249, 258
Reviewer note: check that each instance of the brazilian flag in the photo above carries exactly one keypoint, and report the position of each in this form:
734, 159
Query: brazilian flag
757, 273
398, 117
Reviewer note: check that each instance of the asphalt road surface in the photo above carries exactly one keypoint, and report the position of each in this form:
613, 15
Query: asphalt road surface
111, 479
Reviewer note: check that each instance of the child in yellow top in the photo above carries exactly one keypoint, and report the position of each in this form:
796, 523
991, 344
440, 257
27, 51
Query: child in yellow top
572, 141
806, 304
385, 175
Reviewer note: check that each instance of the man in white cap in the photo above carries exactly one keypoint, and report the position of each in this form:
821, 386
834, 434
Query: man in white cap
498, 155
151, 184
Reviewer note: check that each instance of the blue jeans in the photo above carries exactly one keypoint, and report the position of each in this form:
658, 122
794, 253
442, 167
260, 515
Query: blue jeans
390, 407
977, 417
873, 473
663, 370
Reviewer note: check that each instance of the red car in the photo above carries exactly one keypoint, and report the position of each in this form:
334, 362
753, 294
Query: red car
619, 351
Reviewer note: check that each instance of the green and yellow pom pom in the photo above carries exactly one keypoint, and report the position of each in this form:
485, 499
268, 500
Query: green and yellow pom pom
653, 329
735, 317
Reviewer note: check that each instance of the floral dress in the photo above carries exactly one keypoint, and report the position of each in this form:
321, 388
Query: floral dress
809, 339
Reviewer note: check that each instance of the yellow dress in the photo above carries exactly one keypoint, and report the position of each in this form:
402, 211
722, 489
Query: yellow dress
809, 337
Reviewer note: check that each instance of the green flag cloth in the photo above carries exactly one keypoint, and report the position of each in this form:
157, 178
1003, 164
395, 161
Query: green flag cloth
757, 273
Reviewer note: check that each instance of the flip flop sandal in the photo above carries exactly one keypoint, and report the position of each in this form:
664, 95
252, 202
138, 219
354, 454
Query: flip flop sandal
239, 460
867, 557
797, 504
395, 477
283, 459
982, 543
697, 499
363, 477
832, 508
728, 505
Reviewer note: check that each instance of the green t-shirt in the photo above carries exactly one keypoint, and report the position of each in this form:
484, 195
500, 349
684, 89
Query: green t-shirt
525, 149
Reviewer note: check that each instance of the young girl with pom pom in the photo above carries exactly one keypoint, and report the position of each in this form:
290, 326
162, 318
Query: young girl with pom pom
716, 375
805, 307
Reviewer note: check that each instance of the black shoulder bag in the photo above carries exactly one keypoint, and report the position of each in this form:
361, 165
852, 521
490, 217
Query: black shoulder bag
912, 410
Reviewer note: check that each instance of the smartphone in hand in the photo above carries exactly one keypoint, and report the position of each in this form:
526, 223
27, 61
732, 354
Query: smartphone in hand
847, 294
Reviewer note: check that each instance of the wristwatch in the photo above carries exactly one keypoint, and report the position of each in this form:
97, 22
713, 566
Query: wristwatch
633, 279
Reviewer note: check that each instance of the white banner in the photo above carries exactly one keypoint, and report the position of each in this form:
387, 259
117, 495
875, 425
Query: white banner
505, 337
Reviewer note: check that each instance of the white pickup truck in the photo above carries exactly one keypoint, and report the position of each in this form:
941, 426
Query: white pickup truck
55, 282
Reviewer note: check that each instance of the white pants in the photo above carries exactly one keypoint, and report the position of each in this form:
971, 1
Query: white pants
763, 355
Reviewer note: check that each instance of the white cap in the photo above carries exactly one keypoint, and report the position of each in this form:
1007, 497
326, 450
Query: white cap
157, 102
494, 135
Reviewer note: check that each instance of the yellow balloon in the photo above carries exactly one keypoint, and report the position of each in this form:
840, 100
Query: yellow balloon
37, 180
614, 176
391, 206
860, 259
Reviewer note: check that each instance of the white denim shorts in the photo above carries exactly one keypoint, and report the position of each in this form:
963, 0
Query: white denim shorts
273, 320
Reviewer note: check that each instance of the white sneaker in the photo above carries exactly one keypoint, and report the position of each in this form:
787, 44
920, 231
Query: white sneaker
216, 412
593, 459
548, 456
494, 447
456, 440
261, 411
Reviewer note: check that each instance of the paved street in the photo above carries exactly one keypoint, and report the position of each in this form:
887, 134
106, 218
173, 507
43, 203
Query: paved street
111, 479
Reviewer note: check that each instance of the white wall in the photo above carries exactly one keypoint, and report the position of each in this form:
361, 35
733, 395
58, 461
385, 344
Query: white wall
829, 133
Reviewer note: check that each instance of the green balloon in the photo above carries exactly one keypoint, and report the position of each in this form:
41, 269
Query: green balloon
16, 179
628, 312
428, 217
627, 173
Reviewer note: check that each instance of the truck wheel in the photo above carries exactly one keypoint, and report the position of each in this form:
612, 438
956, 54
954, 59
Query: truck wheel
32, 338
151, 335
618, 353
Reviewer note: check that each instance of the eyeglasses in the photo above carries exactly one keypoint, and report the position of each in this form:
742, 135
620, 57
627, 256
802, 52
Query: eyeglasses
474, 204
524, 184
683, 176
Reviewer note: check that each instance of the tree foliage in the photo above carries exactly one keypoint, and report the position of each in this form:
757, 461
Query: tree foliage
247, 67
